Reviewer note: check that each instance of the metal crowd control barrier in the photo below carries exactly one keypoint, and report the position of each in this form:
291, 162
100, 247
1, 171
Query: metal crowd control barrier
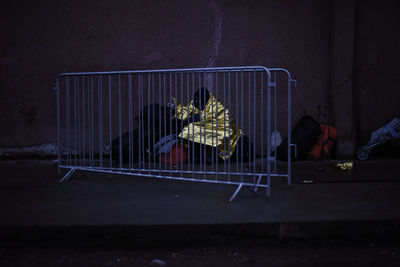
217, 124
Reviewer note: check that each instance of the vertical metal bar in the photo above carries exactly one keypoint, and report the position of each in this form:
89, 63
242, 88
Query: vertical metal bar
133, 109
170, 121
275, 119
190, 151
241, 122
216, 126
203, 146
193, 78
268, 131
153, 122
181, 156
212, 135
262, 122
83, 121
148, 119
176, 124
75, 124
79, 123
212, 129
92, 120
289, 134
120, 121
67, 111
110, 119
201, 122
129, 125
58, 127
230, 120
237, 117
165, 115
226, 108
140, 121
254, 127
89, 121
249, 119
100, 94
130, 150
159, 118
140, 86
142, 149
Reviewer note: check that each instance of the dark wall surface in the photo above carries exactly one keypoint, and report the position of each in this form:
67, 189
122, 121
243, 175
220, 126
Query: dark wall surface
377, 68
42, 39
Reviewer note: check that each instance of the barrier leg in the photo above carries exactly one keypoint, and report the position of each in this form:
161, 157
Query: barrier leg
236, 192
67, 175
258, 182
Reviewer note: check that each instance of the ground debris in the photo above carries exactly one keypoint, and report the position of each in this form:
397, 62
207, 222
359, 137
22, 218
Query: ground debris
346, 166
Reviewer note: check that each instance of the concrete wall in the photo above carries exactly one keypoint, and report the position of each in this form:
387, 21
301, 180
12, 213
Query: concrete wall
377, 68
42, 39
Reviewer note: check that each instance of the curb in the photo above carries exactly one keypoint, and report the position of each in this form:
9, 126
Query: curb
140, 236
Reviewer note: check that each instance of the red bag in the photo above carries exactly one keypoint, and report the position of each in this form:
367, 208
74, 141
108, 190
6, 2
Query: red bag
324, 144
177, 155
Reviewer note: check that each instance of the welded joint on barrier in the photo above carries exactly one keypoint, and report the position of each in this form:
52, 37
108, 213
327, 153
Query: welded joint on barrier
67, 175
272, 84
236, 192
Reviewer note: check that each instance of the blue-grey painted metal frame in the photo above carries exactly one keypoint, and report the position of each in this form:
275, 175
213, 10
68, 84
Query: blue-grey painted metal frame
235, 176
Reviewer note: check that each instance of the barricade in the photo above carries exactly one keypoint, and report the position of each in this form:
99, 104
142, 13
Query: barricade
214, 125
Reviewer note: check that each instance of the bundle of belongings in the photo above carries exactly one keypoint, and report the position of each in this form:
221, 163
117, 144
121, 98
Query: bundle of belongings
210, 125
167, 132
312, 140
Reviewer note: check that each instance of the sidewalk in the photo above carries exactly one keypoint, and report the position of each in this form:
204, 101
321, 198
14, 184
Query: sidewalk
360, 202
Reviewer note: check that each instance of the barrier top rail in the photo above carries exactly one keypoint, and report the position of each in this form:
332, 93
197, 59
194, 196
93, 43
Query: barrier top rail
213, 69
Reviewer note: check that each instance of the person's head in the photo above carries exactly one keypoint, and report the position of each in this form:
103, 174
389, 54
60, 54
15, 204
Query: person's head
201, 98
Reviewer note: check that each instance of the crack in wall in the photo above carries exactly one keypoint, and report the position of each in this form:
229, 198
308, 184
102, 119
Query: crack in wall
219, 14
217, 34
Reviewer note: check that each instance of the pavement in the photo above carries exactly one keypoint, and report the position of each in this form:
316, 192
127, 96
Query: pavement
98, 209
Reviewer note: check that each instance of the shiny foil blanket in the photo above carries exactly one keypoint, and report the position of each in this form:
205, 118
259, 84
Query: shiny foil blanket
216, 128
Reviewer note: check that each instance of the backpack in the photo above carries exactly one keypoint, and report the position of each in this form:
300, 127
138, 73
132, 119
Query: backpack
327, 139
304, 135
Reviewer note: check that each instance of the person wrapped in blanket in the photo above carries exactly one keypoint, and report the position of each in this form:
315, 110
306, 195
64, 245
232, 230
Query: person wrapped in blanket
204, 124
210, 130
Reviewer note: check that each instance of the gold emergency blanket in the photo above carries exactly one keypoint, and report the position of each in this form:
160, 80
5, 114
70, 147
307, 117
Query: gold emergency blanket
216, 128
